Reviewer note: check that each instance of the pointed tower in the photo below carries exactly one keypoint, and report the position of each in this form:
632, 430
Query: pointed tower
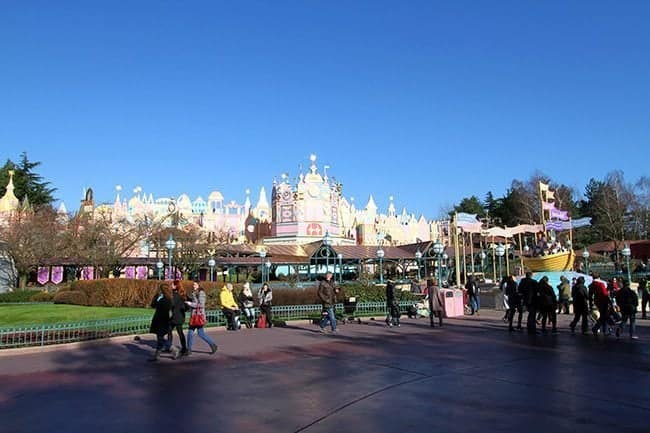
9, 202
262, 210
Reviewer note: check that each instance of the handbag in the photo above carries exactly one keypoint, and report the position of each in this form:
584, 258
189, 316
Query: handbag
261, 321
197, 319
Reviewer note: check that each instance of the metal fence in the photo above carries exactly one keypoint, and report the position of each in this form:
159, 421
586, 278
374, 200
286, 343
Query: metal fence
44, 335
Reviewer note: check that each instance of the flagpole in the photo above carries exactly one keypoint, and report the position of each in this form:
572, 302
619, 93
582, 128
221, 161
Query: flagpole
521, 255
494, 264
541, 202
456, 251
507, 259
464, 274
471, 250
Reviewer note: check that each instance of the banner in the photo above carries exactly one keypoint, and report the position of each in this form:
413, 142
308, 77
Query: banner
468, 222
543, 186
87, 273
581, 222
560, 214
554, 225
43, 274
548, 206
129, 272
57, 274
142, 272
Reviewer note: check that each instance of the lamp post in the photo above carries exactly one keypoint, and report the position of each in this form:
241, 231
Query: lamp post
340, 257
445, 257
262, 256
211, 263
627, 253
585, 255
380, 255
268, 270
438, 249
159, 265
500, 251
170, 244
483, 257
418, 257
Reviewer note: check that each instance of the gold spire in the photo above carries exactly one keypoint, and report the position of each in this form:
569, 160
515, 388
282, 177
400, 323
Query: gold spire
9, 202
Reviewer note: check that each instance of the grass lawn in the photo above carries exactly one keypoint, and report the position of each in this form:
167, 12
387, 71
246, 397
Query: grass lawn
21, 315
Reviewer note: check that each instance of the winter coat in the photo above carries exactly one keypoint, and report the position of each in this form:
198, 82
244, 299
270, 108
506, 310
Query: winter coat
327, 293
627, 300
390, 293
512, 292
178, 309
227, 300
437, 301
547, 299
160, 323
528, 288
580, 298
564, 289
265, 297
245, 301
598, 292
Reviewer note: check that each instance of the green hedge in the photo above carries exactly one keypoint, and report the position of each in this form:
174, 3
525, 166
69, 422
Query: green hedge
19, 296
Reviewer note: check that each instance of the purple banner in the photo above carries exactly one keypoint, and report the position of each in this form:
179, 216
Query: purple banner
57, 274
43, 274
129, 272
560, 214
142, 272
87, 273
168, 275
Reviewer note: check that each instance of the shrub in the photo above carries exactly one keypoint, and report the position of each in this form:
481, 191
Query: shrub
42, 297
18, 296
73, 297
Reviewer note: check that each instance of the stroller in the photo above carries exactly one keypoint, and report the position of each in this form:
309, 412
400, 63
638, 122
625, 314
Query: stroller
349, 308
417, 310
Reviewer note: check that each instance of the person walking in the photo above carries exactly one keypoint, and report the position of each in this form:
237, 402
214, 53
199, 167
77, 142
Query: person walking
514, 303
628, 301
265, 296
580, 305
246, 305
548, 304
603, 302
564, 290
644, 291
392, 307
229, 307
327, 295
160, 323
473, 293
436, 302
178, 316
198, 319
528, 288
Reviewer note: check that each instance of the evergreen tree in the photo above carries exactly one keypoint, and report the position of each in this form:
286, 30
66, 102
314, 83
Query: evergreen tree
27, 182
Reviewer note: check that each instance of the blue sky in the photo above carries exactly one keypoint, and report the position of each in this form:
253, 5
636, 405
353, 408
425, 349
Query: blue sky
428, 101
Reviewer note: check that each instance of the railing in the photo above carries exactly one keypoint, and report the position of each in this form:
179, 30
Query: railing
59, 333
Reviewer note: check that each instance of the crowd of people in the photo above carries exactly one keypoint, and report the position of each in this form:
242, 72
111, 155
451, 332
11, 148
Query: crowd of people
605, 306
172, 304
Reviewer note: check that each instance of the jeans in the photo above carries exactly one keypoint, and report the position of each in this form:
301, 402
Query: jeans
330, 317
602, 320
201, 332
474, 303
632, 317
249, 314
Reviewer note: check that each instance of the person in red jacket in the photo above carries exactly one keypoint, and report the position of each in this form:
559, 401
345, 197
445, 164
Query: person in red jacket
602, 301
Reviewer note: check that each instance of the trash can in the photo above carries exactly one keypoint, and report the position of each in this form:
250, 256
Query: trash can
453, 302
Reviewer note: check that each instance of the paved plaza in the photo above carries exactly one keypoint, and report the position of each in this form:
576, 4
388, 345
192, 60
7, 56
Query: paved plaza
469, 376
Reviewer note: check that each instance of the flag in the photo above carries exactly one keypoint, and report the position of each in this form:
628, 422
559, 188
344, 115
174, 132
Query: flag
468, 222
554, 225
548, 206
550, 195
559, 214
581, 222
543, 186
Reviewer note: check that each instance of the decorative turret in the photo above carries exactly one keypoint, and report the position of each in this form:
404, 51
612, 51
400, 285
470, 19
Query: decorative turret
9, 202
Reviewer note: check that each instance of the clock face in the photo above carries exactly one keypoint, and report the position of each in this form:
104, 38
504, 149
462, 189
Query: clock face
286, 196
313, 191
172, 207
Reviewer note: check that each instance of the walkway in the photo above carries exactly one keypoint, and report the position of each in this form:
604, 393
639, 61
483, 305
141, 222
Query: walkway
470, 376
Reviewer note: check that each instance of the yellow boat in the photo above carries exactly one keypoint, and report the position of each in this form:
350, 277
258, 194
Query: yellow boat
552, 262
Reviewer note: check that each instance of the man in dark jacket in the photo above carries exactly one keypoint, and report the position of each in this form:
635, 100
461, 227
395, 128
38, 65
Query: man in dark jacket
473, 293
327, 295
391, 305
628, 301
644, 292
580, 305
529, 292
600, 297
514, 302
